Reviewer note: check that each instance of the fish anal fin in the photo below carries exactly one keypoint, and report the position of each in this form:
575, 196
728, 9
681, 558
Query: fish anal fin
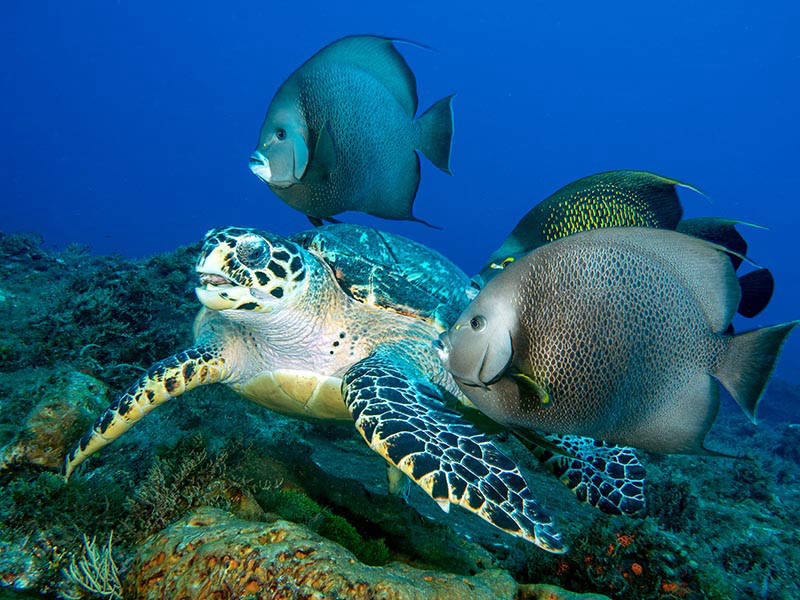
757, 288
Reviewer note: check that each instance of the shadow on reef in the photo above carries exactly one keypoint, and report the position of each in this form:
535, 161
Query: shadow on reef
77, 328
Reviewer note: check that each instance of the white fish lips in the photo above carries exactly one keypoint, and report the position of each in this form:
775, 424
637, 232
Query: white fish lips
259, 165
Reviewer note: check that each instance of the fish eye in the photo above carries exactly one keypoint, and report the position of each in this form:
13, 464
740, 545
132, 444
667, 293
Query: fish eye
477, 323
280, 133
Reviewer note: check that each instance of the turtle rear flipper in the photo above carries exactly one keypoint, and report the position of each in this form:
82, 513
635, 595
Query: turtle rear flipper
601, 474
401, 415
166, 379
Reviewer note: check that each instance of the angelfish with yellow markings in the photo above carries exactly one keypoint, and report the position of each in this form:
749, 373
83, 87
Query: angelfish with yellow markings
614, 334
625, 199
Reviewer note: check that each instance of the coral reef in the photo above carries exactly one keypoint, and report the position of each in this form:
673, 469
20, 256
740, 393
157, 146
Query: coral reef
209, 553
543, 591
95, 571
70, 401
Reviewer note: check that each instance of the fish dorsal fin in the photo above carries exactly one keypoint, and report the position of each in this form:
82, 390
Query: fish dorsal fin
377, 56
703, 267
718, 231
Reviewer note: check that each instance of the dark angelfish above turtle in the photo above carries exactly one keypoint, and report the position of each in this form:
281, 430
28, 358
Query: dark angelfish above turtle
615, 334
340, 133
626, 199
338, 323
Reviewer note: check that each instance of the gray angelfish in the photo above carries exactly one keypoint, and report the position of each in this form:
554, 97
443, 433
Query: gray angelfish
340, 133
614, 334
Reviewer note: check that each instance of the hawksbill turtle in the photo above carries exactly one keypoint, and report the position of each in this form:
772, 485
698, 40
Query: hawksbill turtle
339, 323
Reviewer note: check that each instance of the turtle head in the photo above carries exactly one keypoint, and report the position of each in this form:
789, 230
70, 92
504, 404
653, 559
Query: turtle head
249, 270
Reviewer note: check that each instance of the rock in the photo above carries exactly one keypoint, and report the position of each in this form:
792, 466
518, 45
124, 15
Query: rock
543, 591
28, 565
71, 402
211, 554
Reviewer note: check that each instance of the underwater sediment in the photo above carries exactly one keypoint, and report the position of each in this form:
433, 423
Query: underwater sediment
214, 468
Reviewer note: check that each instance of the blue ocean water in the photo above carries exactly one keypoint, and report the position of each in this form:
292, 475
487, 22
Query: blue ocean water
127, 125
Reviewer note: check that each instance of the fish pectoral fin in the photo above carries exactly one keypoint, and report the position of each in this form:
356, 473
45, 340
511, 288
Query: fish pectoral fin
530, 386
325, 156
299, 156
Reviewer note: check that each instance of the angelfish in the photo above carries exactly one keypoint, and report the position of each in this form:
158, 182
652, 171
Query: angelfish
625, 199
340, 133
614, 334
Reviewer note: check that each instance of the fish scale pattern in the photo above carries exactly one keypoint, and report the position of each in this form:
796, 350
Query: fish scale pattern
402, 417
604, 475
602, 205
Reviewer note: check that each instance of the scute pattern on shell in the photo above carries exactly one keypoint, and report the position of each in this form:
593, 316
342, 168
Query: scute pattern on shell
390, 271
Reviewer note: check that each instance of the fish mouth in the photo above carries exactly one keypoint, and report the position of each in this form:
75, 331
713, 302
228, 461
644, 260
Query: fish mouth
259, 166
442, 346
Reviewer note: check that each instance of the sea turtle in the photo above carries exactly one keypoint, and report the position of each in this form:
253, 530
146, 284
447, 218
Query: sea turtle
338, 323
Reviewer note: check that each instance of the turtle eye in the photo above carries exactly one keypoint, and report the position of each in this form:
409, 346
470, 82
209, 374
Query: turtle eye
252, 251
477, 323
280, 133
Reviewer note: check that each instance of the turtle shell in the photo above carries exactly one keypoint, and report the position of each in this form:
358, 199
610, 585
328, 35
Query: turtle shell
390, 271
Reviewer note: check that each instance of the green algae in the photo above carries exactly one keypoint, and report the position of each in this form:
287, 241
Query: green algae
294, 505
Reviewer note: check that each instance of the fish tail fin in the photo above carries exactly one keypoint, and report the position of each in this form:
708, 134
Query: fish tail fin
435, 127
748, 362
757, 287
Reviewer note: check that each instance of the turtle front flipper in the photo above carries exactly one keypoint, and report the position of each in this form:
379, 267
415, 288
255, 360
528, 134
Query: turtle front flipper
401, 415
166, 379
601, 474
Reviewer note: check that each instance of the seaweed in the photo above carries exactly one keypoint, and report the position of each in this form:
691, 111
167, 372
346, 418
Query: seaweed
295, 505
33, 501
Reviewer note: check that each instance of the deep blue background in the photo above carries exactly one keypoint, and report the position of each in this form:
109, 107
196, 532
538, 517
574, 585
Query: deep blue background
127, 125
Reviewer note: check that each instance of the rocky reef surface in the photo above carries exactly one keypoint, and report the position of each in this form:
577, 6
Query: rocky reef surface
214, 497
